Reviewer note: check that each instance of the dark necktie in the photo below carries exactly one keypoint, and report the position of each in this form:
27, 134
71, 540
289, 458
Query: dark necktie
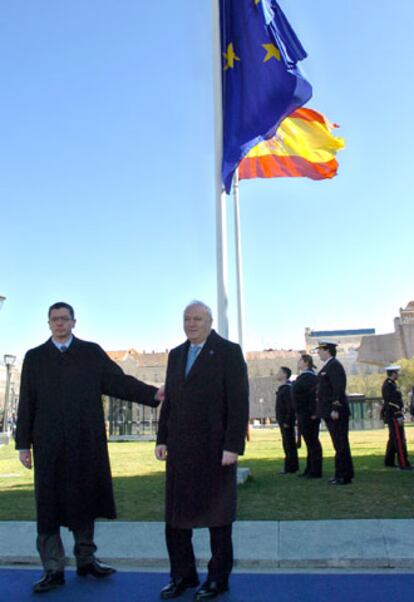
63, 349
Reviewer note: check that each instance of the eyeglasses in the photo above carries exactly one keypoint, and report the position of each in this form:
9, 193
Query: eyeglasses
60, 319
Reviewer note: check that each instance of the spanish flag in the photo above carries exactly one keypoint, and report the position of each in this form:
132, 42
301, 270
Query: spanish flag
303, 147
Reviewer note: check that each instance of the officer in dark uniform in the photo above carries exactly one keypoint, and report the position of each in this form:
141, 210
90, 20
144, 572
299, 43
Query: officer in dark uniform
285, 416
332, 406
304, 403
393, 412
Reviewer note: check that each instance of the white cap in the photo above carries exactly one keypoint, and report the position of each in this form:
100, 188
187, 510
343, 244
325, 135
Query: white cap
393, 368
324, 343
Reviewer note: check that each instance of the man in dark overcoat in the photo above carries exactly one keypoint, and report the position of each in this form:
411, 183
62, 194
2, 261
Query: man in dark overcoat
393, 412
61, 418
333, 407
286, 419
201, 433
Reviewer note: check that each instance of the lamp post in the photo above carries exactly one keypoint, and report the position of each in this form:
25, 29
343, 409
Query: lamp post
9, 363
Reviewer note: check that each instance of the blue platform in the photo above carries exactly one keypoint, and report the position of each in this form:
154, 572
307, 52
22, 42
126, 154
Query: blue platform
16, 584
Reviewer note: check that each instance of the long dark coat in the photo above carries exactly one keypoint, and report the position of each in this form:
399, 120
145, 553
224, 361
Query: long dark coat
202, 415
61, 416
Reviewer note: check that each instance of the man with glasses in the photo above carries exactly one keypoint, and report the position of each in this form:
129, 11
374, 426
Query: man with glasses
61, 417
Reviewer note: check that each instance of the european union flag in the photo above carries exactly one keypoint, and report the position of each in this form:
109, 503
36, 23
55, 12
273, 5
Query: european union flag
262, 83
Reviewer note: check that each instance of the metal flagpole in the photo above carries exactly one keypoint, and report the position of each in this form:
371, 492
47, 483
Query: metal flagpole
239, 265
221, 217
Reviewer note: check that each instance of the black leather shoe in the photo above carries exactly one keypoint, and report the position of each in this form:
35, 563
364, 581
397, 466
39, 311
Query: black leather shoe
176, 587
96, 568
211, 589
50, 580
340, 482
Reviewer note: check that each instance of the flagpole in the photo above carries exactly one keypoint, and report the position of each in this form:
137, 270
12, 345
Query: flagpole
239, 263
221, 216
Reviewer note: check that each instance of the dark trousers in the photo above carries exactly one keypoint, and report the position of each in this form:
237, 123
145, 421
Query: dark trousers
289, 447
182, 559
338, 429
52, 553
397, 445
309, 429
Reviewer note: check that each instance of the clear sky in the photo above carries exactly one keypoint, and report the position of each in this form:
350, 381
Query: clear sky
107, 162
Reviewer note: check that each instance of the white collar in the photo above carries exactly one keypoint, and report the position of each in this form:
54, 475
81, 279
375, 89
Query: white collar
66, 343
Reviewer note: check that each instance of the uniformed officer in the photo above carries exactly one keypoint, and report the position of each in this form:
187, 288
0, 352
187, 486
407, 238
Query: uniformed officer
332, 406
393, 412
285, 416
304, 403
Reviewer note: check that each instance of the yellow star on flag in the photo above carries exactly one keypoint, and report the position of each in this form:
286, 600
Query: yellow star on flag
272, 52
257, 1
230, 57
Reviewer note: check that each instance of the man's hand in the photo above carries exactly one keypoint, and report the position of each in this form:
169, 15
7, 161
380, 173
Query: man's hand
334, 415
161, 452
160, 394
25, 458
229, 458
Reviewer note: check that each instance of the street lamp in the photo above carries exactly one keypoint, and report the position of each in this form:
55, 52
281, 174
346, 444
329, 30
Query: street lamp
9, 363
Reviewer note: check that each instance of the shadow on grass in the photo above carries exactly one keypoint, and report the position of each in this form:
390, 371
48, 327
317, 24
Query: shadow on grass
377, 492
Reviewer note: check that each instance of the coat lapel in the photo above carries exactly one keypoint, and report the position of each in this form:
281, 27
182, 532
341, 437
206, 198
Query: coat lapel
182, 360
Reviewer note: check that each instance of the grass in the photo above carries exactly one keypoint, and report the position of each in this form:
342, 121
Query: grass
377, 492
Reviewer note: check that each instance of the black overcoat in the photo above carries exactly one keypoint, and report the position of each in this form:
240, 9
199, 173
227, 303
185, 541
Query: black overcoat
61, 416
331, 390
202, 415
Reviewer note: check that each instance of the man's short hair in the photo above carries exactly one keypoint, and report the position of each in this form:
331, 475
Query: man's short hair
201, 304
287, 371
62, 305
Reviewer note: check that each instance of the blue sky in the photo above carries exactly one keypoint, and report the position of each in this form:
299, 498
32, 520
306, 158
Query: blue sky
107, 163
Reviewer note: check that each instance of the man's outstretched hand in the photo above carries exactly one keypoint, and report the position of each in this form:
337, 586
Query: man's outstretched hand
160, 394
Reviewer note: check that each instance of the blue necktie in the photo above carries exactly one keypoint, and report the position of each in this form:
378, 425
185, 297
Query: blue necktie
191, 357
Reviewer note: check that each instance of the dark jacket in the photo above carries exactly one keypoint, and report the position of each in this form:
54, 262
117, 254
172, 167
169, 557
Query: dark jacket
393, 401
331, 390
204, 413
304, 393
285, 413
61, 416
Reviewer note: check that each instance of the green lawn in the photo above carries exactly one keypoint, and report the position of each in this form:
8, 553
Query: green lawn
139, 483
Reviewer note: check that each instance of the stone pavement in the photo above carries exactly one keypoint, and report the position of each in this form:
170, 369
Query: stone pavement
257, 545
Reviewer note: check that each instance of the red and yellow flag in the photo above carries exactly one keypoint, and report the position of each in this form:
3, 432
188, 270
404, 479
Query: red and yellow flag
303, 147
